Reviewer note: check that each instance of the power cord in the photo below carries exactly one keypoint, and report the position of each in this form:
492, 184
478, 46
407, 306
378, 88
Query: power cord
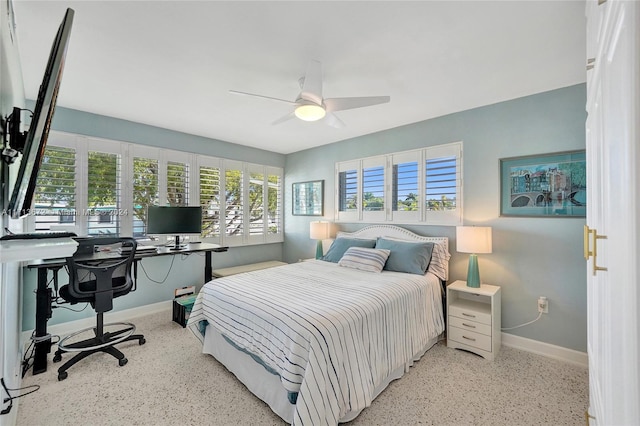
173, 258
522, 325
10, 398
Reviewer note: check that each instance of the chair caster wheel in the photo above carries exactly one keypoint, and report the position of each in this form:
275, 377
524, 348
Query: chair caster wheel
57, 358
142, 342
62, 376
123, 362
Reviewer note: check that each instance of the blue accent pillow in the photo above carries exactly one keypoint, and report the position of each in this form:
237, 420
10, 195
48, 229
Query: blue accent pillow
341, 245
413, 258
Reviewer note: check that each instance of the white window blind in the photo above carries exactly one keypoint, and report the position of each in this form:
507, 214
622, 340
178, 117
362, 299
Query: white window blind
145, 192
55, 193
103, 193
443, 184
234, 201
177, 184
97, 186
406, 186
256, 204
418, 186
274, 204
210, 200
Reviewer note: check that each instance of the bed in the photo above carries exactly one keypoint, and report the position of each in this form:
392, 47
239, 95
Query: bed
318, 340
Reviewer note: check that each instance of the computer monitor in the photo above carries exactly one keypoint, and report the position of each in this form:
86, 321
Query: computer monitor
177, 221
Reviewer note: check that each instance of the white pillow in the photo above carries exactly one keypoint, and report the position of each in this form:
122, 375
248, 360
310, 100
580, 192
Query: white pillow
364, 259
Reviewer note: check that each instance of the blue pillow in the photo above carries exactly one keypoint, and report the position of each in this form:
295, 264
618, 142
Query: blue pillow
340, 245
413, 258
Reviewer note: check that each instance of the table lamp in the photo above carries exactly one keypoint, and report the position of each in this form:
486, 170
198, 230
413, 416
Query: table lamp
474, 240
319, 230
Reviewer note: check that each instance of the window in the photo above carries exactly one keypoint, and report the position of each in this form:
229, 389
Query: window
418, 186
234, 201
274, 203
256, 203
348, 181
145, 192
55, 193
103, 172
210, 200
103, 187
177, 184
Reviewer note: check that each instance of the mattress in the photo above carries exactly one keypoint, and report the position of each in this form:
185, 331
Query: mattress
332, 337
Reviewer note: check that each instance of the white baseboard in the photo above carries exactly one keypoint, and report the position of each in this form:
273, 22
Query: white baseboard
124, 315
546, 349
511, 340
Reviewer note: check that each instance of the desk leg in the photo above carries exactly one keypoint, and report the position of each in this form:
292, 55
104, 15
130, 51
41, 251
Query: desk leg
43, 313
208, 267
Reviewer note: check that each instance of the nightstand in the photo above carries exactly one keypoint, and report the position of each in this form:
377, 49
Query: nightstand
473, 318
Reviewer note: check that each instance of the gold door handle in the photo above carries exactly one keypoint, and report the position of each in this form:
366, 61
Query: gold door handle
594, 250
587, 253
587, 416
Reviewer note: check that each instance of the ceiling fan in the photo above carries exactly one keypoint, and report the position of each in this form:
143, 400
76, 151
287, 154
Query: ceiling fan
311, 106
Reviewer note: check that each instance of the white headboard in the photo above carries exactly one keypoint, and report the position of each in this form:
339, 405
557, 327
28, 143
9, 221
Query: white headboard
395, 232
392, 231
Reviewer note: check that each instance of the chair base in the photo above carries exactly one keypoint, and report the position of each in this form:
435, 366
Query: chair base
100, 343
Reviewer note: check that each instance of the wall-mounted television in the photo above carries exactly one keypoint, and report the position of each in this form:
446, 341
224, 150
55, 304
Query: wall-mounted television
36, 138
174, 220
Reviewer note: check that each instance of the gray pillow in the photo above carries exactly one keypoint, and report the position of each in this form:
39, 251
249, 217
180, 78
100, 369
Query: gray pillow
412, 258
340, 245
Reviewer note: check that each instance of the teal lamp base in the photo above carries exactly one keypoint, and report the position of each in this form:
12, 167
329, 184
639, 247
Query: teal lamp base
473, 274
319, 251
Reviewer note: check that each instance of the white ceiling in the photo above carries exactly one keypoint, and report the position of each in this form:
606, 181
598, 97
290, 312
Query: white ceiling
171, 63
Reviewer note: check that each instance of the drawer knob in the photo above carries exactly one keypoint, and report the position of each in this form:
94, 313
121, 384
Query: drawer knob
468, 338
468, 315
468, 325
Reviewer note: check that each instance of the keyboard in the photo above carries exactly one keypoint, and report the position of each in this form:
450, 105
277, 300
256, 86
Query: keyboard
37, 236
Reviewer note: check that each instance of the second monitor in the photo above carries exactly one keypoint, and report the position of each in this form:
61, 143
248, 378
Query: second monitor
177, 221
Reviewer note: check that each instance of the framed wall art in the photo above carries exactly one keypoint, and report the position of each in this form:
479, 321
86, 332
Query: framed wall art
308, 198
546, 185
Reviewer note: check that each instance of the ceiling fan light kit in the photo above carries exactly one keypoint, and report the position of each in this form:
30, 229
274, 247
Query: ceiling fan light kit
311, 106
310, 112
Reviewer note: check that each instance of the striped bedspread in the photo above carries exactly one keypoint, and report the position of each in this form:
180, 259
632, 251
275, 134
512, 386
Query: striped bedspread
331, 333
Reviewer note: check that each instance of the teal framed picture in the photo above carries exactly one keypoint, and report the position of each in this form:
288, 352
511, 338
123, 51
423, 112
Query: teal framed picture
547, 185
308, 198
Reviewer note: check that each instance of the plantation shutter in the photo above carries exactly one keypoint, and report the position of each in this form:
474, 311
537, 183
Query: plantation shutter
55, 193
103, 193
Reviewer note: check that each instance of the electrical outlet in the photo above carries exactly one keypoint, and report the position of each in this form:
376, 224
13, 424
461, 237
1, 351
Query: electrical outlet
543, 305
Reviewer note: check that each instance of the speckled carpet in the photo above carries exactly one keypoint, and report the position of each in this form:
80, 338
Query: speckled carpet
168, 381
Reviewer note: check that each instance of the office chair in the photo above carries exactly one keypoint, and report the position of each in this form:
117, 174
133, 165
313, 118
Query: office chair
97, 279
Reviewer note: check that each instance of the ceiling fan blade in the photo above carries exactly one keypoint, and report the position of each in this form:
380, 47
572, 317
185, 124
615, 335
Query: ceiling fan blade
283, 119
312, 86
340, 104
235, 92
332, 120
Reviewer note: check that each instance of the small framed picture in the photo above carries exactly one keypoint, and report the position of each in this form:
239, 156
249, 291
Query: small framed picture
547, 185
308, 198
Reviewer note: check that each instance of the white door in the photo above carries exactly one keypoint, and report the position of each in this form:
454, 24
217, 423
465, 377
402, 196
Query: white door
612, 236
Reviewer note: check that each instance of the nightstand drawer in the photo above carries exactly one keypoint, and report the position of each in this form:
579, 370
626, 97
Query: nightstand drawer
470, 338
468, 313
470, 325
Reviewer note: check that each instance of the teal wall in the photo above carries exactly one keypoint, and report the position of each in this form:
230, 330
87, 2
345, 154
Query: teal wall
186, 270
531, 257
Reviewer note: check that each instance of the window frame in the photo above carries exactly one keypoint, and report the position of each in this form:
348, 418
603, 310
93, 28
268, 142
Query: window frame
422, 216
128, 151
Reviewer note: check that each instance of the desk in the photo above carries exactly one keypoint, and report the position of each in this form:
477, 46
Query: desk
43, 296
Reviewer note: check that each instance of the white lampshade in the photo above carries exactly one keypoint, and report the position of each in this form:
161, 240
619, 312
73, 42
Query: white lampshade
319, 230
473, 239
